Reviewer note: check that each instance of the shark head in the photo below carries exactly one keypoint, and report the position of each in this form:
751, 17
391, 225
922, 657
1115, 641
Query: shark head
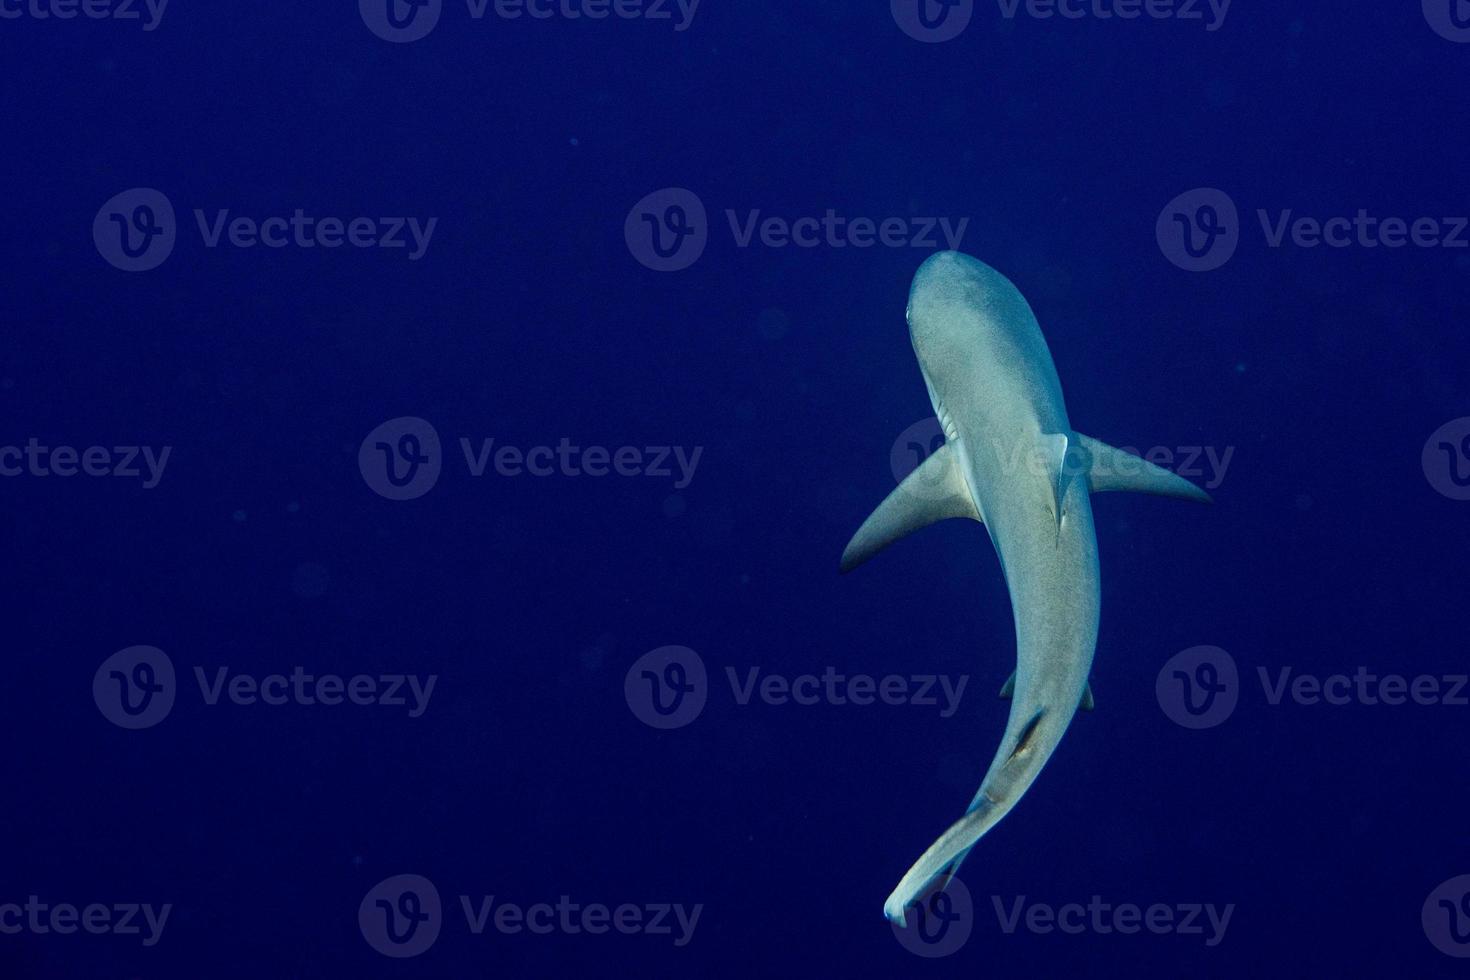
969, 323
941, 311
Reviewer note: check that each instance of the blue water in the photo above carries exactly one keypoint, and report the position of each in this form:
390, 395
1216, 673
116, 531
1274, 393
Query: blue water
1063, 151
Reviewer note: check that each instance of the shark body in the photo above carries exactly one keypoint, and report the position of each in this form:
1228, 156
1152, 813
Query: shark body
1011, 460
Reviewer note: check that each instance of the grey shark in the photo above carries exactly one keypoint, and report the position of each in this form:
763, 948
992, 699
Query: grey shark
1011, 460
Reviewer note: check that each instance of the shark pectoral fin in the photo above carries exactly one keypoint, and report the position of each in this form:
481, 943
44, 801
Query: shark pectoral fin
1109, 468
934, 492
1087, 702
1009, 687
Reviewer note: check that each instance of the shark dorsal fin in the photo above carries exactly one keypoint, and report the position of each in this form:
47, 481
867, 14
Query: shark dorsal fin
937, 490
1054, 453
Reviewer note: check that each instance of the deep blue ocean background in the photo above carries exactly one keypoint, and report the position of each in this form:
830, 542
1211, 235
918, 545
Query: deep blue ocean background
529, 320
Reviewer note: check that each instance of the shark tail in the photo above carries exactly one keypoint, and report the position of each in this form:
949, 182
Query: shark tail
943, 858
953, 868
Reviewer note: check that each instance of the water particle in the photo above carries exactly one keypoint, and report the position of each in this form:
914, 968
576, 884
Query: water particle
310, 580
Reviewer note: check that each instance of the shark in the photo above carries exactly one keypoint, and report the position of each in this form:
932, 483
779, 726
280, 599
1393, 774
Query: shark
1011, 460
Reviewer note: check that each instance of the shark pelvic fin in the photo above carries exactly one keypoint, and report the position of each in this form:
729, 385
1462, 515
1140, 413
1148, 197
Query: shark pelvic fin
1109, 468
1008, 689
934, 492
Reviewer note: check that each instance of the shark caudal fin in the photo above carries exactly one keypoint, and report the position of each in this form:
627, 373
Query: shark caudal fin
943, 857
1110, 468
935, 491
